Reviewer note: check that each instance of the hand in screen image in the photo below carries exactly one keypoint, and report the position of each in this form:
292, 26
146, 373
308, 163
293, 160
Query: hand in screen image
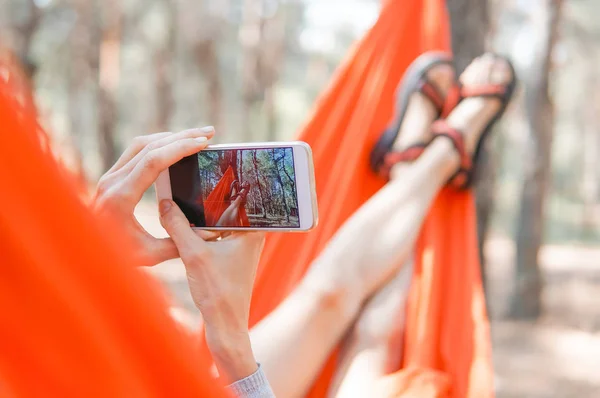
249, 188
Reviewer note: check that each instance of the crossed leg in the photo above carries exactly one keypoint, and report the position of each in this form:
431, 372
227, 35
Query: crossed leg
372, 347
231, 215
293, 342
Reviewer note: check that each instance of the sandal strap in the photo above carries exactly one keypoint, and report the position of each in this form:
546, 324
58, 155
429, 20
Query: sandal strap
234, 184
499, 91
453, 97
440, 128
407, 155
443, 104
432, 93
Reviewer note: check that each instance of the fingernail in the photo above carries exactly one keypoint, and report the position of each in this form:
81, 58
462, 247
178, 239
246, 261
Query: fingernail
164, 206
207, 129
201, 139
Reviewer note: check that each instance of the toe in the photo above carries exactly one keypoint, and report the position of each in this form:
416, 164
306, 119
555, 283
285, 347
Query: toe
502, 72
469, 76
485, 68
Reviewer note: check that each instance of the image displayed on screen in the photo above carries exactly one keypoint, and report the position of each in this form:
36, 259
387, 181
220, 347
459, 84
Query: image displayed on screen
238, 188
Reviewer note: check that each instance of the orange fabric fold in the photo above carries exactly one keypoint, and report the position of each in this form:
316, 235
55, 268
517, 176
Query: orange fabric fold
447, 341
76, 318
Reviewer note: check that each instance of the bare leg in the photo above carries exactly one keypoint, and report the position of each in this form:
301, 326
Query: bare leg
231, 215
374, 345
366, 359
294, 341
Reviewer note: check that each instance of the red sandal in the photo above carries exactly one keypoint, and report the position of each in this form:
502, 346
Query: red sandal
383, 157
504, 93
234, 190
440, 128
464, 177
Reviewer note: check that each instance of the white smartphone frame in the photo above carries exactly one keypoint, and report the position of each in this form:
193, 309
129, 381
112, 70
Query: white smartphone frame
305, 185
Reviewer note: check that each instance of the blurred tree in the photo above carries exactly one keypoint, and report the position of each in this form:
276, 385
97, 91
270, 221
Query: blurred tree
25, 29
198, 41
470, 24
83, 61
262, 36
206, 52
164, 68
590, 181
585, 34
18, 24
277, 172
261, 193
108, 73
526, 301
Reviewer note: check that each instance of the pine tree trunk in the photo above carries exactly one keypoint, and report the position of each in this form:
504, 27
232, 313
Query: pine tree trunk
526, 301
164, 71
233, 162
108, 74
292, 183
208, 60
260, 190
469, 28
280, 181
590, 181
83, 54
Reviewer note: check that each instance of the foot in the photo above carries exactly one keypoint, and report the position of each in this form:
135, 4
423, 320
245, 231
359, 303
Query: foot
472, 115
489, 83
244, 192
421, 112
234, 190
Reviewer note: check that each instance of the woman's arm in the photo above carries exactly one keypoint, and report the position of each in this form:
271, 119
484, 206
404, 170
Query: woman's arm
220, 273
221, 276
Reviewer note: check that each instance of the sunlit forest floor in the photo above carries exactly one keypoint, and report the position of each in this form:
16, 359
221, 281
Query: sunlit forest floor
271, 221
557, 357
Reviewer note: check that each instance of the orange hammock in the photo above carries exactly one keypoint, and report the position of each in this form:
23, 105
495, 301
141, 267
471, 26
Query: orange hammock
215, 204
76, 318
447, 345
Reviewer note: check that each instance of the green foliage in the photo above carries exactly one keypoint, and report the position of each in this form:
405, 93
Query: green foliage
270, 173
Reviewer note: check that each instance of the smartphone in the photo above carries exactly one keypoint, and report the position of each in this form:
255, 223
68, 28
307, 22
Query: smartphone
267, 186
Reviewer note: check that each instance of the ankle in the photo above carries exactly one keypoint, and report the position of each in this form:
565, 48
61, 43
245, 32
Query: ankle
443, 149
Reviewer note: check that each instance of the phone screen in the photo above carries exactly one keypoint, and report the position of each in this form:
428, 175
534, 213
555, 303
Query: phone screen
237, 188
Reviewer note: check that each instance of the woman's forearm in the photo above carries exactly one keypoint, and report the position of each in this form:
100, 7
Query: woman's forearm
233, 356
232, 352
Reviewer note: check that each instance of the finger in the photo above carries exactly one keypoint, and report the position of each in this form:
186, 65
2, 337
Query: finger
146, 171
137, 144
207, 132
178, 228
161, 250
208, 235
250, 239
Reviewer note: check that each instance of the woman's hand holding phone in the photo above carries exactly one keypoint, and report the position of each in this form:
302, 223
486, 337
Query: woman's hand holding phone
221, 277
122, 187
220, 272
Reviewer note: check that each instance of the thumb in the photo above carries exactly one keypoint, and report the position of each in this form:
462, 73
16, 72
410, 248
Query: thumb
177, 226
